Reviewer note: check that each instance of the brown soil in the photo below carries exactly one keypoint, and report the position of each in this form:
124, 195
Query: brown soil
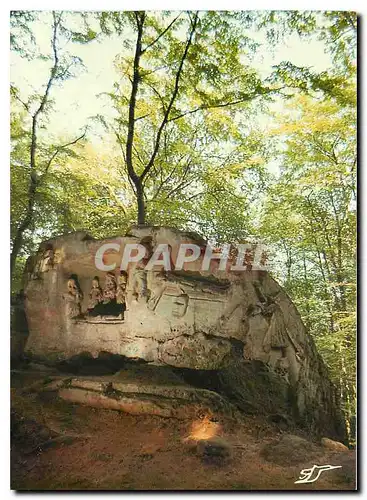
58, 446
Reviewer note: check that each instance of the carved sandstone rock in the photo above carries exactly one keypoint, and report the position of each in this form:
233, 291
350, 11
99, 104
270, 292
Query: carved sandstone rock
214, 320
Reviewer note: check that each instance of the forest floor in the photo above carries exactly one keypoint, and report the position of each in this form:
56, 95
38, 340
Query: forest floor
58, 445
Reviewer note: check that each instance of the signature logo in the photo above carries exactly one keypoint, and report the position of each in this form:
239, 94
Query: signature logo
311, 475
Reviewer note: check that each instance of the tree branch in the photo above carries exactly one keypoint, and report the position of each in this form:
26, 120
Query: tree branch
157, 94
44, 98
249, 97
132, 103
162, 34
173, 98
59, 149
22, 102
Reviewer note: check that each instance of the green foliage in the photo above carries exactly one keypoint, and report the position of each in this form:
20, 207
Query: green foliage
309, 220
337, 28
33, 156
206, 158
22, 39
340, 34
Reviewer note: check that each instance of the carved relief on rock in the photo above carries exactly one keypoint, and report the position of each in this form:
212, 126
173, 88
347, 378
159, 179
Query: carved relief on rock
95, 294
139, 285
278, 347
47, 261
157, 282
73, 298
107, 304
139, 276
285, 354
173, 304
121, 287
180, 304
282, 367
187, 319
276, 335
196, 352
234, 316
195, 303
110, 288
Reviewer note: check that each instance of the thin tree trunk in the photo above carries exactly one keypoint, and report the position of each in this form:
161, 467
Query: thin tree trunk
33, 181
140, 17
138, 180
18, 242
27, 221
141, 202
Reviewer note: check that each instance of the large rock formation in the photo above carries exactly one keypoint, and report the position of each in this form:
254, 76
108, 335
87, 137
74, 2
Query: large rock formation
216, 321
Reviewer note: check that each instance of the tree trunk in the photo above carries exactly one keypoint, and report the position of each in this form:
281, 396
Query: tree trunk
141, 202
18, 240
15, 250
131, 123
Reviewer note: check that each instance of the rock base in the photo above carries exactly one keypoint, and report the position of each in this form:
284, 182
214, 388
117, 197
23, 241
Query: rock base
151, 393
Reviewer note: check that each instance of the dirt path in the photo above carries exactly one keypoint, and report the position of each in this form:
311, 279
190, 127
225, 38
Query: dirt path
58, 445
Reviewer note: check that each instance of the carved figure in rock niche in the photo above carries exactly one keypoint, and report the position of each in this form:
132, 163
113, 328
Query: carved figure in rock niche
172, 301
95, 295
158, 284
32, 268
110, 288
140, 275
73, 297
180, 304
58, 256
106, 306
44, 261
36, 273
284, 353
140, 285
235, 314
276, 335
47, 261
121, 288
